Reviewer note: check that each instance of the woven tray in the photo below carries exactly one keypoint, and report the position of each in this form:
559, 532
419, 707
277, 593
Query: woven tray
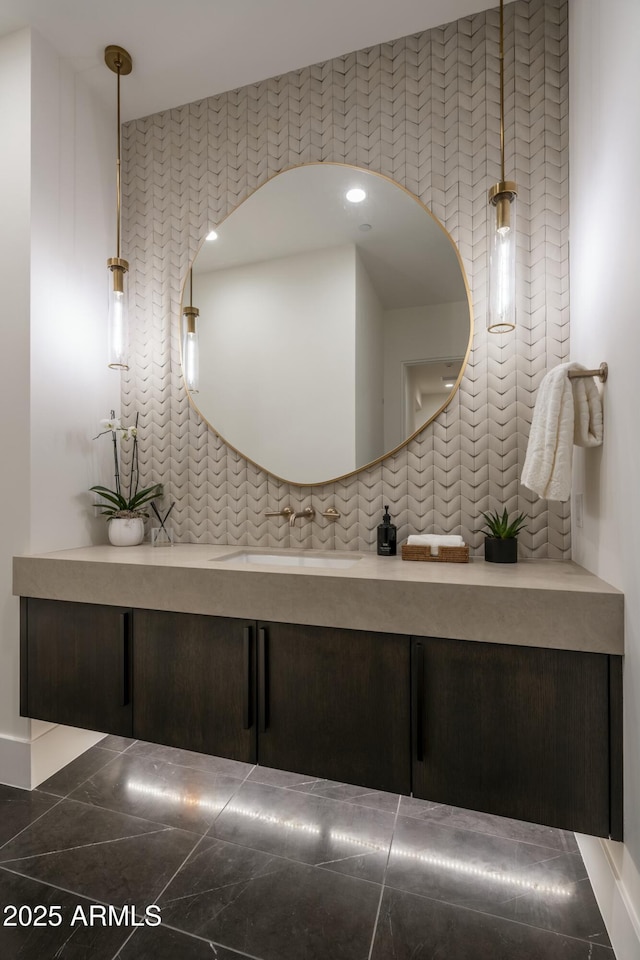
445, 554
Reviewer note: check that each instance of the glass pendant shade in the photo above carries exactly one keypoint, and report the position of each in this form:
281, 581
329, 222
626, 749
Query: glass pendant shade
117, 321
191, 350
501, 316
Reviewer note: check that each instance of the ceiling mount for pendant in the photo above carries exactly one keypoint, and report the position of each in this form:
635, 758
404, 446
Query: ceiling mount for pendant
118, 60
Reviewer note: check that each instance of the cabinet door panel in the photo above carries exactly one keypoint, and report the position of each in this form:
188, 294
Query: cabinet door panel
76, 664
195, 683
515, 731
335, 704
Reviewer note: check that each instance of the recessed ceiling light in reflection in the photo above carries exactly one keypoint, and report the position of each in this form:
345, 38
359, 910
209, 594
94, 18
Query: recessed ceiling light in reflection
212, 235
356, 195
448, 382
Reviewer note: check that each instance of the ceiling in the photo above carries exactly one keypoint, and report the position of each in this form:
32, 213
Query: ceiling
409, 259
188, 50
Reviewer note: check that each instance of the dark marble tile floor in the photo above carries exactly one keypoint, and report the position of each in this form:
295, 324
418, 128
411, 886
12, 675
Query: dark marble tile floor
137, 851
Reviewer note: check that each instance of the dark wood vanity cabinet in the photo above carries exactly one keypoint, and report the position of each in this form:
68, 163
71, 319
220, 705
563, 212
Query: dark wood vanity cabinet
76, 664
522, 732
195, 683
335, 704
331, 703
529, 733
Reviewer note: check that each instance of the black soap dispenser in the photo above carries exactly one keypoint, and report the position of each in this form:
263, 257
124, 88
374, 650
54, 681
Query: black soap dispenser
387, 536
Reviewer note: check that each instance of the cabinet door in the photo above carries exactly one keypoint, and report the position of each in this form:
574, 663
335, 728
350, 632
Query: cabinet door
195, 683
515, 731
335, 704
75, 664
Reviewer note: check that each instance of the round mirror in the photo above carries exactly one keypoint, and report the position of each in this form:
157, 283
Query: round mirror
333, 319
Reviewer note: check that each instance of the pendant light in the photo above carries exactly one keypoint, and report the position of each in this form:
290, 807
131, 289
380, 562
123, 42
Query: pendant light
190, 347
501, 315
119, 61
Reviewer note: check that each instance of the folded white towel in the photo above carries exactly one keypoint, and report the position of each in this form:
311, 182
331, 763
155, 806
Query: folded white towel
566, 412
435, 541
587, 411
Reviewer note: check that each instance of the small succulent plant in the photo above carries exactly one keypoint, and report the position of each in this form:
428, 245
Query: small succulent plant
502, 527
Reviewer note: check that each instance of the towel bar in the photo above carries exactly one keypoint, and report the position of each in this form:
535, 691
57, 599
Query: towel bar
602, 373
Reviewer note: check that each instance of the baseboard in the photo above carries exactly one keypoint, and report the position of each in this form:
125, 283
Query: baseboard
616, 882
15, 762
27, 763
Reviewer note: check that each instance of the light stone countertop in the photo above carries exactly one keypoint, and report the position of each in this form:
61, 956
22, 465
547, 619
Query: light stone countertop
543, 603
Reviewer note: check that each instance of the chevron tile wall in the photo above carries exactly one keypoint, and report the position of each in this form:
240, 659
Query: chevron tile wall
423, 110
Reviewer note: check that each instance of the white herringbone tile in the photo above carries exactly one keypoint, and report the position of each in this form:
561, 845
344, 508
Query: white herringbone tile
423, 110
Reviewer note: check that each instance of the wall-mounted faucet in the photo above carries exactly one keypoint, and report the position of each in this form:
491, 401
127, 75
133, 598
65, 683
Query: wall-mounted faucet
308, 513
292, 515
287, 512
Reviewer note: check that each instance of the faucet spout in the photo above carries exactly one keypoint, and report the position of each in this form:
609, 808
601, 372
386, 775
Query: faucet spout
308, 513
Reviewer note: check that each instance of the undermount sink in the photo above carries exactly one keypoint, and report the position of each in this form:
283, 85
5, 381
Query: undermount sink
303, 559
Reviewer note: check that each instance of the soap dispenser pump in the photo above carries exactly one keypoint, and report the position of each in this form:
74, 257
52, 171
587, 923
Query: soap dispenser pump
387, 536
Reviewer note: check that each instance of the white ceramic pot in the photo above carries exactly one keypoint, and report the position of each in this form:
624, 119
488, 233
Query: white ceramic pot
126, 531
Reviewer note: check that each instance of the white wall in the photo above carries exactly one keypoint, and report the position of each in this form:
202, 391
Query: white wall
604, 114
15, 92
369, 382
431, 403
433, 332
55, 385
294, 418
72, 235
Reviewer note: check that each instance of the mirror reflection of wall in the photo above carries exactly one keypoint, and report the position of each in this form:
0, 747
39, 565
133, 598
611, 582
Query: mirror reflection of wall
313, 310
427, 386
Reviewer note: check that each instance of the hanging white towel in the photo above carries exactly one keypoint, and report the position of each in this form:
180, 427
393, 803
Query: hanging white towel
566, 412
587, 411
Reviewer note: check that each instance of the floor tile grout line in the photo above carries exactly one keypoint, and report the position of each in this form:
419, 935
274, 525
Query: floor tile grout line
84, 846
382, 885
216, 943
497, 916
233, 795
319, 796
158, 896
186, 766
89, 899
136, 816
82, 782
29, 825
483, 833
117, 813
54, 886
299, 863
72, 893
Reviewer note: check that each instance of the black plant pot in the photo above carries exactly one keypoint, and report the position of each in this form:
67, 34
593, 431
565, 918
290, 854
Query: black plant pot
501, 551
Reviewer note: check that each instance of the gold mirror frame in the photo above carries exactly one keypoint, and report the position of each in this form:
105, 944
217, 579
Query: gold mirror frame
429, 421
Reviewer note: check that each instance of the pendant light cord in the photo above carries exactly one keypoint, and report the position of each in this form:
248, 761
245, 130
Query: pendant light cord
118, 187
502, 91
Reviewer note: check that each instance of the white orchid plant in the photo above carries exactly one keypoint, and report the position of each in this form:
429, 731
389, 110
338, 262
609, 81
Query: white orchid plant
125, 500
